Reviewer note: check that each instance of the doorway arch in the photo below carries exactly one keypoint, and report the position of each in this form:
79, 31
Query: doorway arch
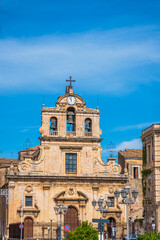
71, 218
28, 228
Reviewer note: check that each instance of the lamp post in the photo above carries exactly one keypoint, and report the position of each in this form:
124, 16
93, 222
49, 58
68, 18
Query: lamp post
101, 208
51, 227
60, 210
126, 199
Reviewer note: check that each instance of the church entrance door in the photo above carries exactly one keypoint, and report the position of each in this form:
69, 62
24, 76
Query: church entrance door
28, 228
71, 218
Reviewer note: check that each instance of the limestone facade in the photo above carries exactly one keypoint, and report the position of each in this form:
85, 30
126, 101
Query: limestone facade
151, 176
65, 168
131, 162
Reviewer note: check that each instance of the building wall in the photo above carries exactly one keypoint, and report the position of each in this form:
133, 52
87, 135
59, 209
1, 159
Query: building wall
151, 145
45, 198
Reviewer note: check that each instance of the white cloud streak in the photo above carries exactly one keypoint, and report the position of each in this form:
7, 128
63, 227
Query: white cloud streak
132, 144
135, 143
100, 60
133, 127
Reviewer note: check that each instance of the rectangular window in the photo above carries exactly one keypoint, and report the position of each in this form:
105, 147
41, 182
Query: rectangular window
149, 153
71, 162
28, 201
135, 172
112, 201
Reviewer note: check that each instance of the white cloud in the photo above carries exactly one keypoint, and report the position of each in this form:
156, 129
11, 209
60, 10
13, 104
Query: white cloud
132, 127
132, 144
98, 60
135, 143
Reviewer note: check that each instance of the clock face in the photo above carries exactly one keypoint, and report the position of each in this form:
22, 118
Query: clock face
71, 100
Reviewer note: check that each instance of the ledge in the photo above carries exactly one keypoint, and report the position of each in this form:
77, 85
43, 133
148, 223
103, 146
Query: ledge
70, 139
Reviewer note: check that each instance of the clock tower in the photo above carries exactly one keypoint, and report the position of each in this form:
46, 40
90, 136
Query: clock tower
70, 127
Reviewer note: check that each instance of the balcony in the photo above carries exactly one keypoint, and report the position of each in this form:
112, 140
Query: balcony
54, 133
71, 133
88, 134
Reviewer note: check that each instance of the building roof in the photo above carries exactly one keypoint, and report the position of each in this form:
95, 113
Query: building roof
7, 161
33, 152
35, 148
131, 153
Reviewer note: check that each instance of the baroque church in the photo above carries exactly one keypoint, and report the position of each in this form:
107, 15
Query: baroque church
66, 168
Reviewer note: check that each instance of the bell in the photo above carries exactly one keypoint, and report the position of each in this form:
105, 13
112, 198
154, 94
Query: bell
53, 125
88, 126
70, 120
70, 117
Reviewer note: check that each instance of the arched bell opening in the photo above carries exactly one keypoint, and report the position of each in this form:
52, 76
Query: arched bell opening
53, 126
71, 121
88, 127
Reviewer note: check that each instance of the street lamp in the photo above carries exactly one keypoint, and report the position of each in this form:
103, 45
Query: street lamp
51, 227
60, 210
126, 199
101, 208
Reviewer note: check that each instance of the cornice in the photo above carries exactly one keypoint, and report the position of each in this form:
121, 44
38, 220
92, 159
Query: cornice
92, 179
70, 139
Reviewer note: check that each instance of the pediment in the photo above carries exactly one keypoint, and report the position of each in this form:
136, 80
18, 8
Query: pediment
63, 99
70, 195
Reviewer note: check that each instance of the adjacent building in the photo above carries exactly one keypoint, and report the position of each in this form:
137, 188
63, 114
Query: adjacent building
131, 162
151, 176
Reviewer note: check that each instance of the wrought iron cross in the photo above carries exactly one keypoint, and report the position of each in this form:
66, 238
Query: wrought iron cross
70, 80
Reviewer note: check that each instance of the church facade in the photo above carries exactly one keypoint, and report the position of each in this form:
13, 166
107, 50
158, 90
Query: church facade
66, 168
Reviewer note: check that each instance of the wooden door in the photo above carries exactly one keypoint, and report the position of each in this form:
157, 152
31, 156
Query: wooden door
71, 218
28, 228
15, 231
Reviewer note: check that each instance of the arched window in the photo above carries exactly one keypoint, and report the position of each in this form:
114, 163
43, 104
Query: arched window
88, 127
71, 126
53, 126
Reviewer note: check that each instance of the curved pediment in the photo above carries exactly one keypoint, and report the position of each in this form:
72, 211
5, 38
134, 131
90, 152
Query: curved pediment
63, 99
71, 195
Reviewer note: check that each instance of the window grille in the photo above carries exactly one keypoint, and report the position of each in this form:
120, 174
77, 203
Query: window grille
71, 162
28, 201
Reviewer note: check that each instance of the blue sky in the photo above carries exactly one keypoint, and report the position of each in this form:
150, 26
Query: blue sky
111, 48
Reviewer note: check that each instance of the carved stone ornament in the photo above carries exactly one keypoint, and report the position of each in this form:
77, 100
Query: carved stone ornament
23, 167
29, 189
111, 190
118, 214
112, 168
71, 191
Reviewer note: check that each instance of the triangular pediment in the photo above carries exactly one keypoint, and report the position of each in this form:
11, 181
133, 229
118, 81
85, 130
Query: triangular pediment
70, 195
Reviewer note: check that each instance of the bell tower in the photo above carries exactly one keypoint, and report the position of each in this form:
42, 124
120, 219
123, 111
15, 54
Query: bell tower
70, 118
70, 130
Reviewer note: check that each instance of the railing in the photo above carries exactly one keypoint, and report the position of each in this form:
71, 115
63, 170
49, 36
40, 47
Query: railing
71, 133
54, 133
88, 134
